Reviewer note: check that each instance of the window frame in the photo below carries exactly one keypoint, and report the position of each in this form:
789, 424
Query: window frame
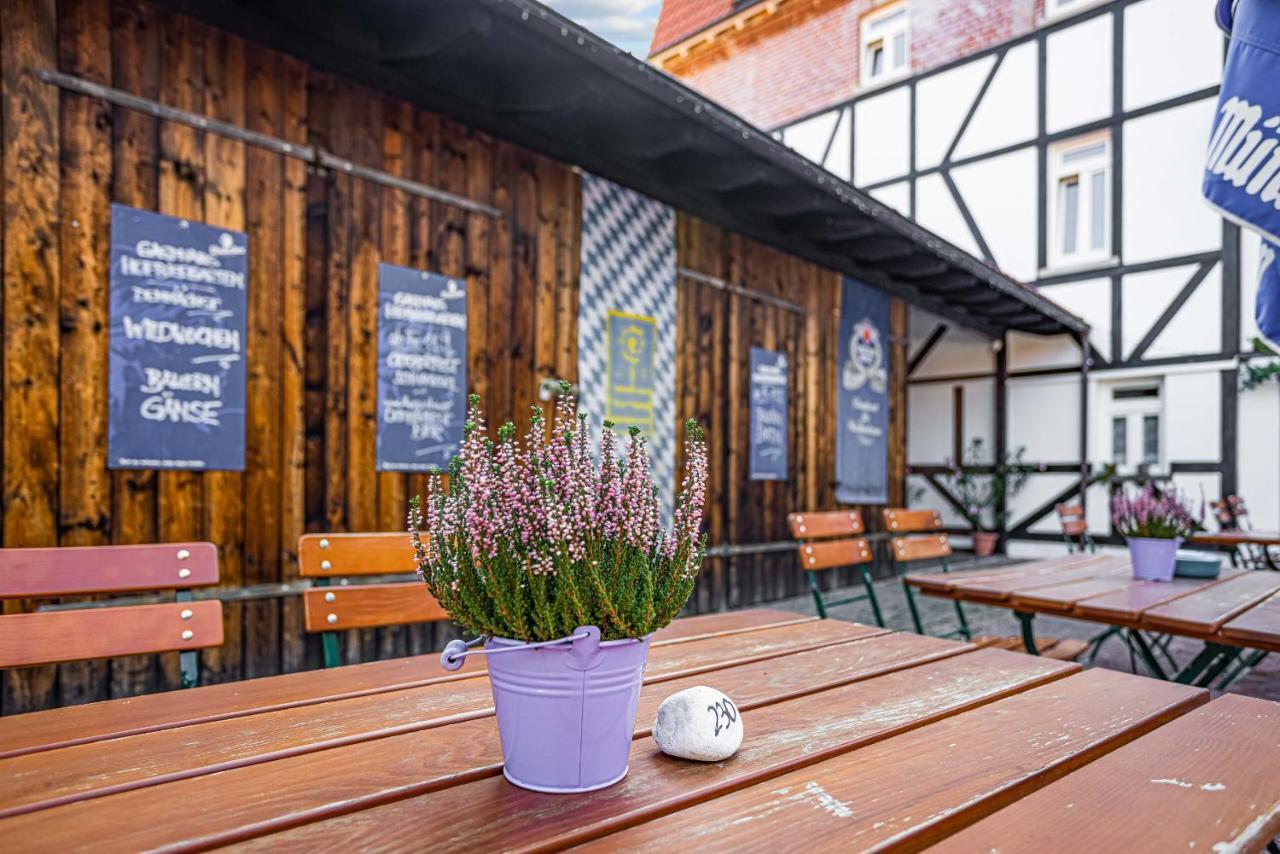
1133, 411
867, 41
1062, 172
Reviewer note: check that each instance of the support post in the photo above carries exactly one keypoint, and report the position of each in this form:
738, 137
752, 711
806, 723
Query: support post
1086, 359
1002, 430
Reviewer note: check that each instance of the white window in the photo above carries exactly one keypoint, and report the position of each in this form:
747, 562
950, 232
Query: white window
885, 44
1134, 434
1080, 201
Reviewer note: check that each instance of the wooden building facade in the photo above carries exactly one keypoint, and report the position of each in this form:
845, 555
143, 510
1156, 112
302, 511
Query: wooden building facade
316, 236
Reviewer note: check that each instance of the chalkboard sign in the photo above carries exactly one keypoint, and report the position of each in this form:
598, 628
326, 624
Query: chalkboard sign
768, 415
862, 396
176, 375
422, 368
630, 374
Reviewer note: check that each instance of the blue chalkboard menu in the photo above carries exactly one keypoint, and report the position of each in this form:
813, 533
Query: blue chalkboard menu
768, 415
422, 368
176, 374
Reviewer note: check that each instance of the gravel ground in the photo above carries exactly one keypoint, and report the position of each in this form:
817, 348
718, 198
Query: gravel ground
939, 614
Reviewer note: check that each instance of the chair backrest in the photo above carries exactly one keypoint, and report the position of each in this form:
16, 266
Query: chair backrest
361, 606
918, 546
1239, 512
1072, 518
104, 631
1223, 513
824, 551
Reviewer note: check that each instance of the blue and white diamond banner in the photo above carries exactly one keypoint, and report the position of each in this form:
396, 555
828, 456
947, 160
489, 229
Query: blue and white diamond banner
628, 286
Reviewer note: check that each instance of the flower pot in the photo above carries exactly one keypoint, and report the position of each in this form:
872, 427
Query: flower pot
566, 713
984, 543
1153, 560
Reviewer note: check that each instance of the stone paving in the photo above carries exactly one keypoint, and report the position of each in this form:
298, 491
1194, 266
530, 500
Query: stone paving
939, 615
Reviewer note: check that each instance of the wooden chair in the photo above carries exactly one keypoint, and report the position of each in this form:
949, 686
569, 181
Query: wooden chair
1075, 529
828, 540
1232, 515
103, 630
926, 541
328, 608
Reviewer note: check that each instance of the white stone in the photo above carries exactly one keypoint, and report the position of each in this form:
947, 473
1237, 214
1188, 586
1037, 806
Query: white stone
698, 723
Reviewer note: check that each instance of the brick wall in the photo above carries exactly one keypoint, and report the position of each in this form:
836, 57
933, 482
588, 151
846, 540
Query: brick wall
804, 57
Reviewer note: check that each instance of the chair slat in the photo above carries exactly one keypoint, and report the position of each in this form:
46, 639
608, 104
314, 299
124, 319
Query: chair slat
833, 553
74, 570
1069, 511
363, 606
1074, 527
921, 547
900, 520
334, 555
53, 637
828, 523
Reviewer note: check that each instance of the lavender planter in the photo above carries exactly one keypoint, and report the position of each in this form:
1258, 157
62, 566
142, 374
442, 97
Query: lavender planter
566, 713
1153, 560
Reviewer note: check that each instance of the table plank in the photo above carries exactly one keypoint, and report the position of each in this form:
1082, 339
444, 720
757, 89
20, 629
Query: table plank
940, 582
91, 770
1125, 606
1103, 566
247, 801
1236, 538
116, 718
1064, 597
918, 787
1205, 611
1205, 782
1259, 626
779, 738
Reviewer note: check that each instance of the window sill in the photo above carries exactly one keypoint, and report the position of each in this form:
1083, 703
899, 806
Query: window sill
1052, 16
865, 86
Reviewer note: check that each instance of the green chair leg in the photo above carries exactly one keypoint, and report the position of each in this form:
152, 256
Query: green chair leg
871, 596
817, 597
329, 640
189, 660
911, 604
964, 622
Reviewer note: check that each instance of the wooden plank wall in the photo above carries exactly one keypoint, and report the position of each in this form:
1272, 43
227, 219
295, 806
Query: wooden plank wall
315, 240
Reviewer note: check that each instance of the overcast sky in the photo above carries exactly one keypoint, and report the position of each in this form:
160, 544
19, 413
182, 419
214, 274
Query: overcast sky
627, 23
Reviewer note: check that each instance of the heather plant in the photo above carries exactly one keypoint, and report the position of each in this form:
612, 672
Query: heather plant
1152, 514
529, 539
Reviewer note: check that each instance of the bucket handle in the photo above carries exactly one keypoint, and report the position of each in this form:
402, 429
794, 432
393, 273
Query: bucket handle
457, 650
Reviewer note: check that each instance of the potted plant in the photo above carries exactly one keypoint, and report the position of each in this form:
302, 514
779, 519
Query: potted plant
979, 485
563, 569
1154, 522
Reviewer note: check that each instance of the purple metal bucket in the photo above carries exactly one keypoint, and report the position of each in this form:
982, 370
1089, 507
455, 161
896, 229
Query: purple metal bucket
566, 713
1153, 560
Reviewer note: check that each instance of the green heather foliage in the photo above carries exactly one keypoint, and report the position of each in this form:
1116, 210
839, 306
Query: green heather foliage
529, 539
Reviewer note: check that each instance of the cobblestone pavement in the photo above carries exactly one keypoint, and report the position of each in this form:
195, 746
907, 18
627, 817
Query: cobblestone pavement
939, 614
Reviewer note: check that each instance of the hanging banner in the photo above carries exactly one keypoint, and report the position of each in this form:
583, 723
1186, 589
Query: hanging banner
176, 375
862, 398
628, 400
628, 278
769, 436
422, 368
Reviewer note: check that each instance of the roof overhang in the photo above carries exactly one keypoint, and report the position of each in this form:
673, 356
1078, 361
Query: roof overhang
522, 72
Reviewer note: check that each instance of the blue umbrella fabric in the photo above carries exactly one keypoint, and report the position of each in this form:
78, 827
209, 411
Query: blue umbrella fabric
1242, 165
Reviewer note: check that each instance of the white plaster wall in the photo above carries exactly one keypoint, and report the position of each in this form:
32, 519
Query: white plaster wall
881, 136
1197, 327
959, 352
1039, 489
1000, 193
928, 423
1007, 113
896, 196
1044, 417
837, 162
1164, 215
1170, 48
1089, 299
1078, 68
943, 102
1028, 351
810, 137
1250, 244
936, 210
1258, 450
1192, 429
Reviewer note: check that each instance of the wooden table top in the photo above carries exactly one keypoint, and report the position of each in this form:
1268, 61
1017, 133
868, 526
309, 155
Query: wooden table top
1239, 608
1236, 538
856, 736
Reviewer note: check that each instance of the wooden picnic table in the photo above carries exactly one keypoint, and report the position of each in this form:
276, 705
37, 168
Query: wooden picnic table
1236, 616
1235, 542
856, 738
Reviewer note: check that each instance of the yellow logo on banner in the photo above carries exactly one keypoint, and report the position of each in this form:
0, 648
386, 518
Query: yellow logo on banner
629, 370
